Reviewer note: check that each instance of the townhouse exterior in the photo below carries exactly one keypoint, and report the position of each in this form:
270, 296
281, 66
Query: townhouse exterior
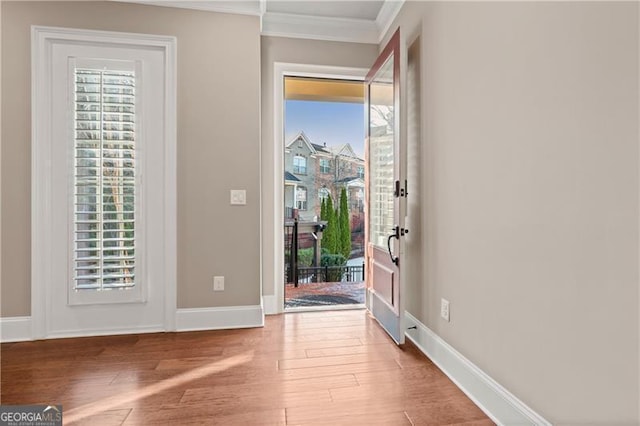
315, 172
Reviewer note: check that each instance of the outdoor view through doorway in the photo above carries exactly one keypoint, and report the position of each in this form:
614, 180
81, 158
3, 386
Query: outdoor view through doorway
324, 192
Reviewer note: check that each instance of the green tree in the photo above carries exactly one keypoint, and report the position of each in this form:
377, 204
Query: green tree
344, 225
323, 210
330, 236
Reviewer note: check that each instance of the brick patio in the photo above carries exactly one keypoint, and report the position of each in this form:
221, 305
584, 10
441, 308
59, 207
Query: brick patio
324, 294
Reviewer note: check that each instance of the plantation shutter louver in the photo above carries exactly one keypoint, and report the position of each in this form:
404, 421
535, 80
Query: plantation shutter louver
104, 220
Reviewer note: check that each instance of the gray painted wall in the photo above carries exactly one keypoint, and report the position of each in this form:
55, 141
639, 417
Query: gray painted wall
527, 168
218, 143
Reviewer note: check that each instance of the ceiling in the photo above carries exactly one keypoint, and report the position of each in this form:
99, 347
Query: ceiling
330, 9
321, 89
361, 21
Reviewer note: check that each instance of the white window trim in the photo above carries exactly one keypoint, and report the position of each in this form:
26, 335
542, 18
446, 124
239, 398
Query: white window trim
304, 160
280, 71
41, 144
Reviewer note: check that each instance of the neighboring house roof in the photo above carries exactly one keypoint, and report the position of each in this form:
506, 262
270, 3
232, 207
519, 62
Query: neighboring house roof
320, 148
302, 137
344, 150
290, 177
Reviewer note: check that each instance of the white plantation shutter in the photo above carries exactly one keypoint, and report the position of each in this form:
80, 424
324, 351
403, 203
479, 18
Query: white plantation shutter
104, 212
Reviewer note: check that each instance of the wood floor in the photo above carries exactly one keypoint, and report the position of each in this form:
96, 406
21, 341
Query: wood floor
316, 368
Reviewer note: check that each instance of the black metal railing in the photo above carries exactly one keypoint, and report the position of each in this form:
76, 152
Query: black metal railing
316, 274
290, 212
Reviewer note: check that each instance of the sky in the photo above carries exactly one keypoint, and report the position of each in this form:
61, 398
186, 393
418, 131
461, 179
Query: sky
335, 123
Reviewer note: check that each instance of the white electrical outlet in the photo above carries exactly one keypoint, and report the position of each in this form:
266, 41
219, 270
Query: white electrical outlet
218, 283
444, 309
238, 197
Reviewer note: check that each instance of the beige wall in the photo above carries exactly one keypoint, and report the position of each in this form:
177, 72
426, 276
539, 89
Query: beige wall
529, 192
278, 49
218, 142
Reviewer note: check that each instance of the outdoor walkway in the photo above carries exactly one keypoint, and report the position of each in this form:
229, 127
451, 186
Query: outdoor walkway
324, 294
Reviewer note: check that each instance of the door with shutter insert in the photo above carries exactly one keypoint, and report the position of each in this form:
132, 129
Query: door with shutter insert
107, 180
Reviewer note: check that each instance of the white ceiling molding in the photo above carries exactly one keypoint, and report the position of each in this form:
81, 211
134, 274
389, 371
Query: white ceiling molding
296, 25
388, 12
319, 28
249, 7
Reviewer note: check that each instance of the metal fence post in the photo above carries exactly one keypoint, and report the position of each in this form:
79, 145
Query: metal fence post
294, 254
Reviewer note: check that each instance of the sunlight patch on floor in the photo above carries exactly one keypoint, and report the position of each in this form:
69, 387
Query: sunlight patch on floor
115, 401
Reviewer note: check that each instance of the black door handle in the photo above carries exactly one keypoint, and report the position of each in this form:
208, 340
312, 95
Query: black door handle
396, 235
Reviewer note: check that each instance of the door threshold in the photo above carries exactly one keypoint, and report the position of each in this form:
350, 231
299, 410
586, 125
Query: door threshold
355, 306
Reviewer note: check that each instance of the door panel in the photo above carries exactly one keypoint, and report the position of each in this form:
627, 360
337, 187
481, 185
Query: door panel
385, 193
383, 278
87, 249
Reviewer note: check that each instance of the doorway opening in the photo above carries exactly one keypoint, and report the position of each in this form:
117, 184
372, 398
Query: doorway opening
324, 193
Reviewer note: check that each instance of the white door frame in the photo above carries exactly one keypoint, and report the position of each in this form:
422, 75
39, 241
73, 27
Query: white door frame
42, 40
281, 70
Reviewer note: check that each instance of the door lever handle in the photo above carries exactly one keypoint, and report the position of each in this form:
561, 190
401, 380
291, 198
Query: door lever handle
396, 235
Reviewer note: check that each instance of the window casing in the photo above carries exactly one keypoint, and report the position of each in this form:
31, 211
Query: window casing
323, 194
361, 172
301, 198
325, 165
300, 165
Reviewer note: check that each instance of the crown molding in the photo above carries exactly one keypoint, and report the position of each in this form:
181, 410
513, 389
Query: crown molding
294, 25
388, 12
319, 28
251, 7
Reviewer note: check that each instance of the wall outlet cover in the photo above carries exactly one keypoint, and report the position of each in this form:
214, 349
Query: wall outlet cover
444, 309
238, 197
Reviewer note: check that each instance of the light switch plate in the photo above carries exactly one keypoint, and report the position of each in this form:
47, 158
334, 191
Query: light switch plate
238, 197
218, 283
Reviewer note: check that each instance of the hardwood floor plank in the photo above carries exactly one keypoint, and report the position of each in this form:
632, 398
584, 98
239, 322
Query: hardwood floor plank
324, 361
197, 395
424, 373
226, 403
376, 348
205, 416
311, 368
390, 419
340, 410
337, 370
451, 412
107, 418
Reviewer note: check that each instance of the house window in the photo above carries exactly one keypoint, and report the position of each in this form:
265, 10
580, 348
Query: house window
361, 172
104, 210
300, 165
323, 194
301, 198
325, 165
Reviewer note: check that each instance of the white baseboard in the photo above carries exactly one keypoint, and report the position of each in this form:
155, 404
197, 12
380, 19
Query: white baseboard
15, 329
270, 304
497, 402
18, 329
95, 332
219, 318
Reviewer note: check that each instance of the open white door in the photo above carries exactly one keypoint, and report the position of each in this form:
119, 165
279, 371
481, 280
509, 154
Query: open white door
386, 190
